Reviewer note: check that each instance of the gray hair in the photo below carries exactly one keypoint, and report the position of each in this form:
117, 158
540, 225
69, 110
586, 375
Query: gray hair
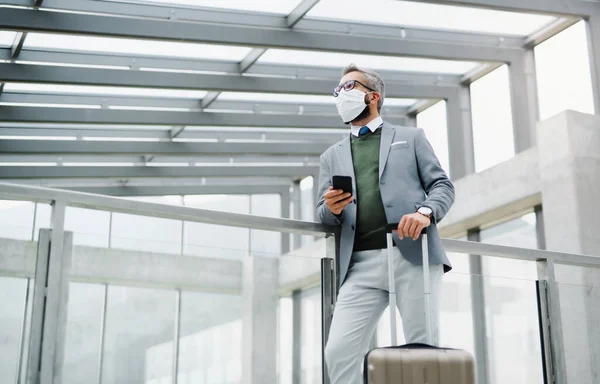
372, 79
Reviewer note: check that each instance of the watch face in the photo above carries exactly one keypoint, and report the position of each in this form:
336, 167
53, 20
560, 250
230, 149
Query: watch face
425, 211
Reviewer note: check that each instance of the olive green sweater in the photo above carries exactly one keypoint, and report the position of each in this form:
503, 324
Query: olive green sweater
370, 215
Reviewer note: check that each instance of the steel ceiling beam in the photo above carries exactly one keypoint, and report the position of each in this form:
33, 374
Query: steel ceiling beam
268, 20
215, 33
177, 103
300, 11
97, 116
216, 135
222, 66
53, 172
233, 83
45, 147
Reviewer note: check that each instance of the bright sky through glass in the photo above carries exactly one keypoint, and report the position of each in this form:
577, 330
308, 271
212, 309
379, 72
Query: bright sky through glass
329, 59
412, 14
7, 38
134, 47
434, 123
283, 7
492, 119
115, 91
564, 84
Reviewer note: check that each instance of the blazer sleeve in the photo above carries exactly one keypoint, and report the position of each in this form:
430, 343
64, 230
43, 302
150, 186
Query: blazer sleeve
323, 214
435, 182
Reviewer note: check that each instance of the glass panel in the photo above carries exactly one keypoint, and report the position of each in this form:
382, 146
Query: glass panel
43, 215
308, 202
433, 121
564, 84
113, 91
311, 363
217, 240
210, 344
492, 119
456, 317
285, 335
510, 295
435, 16
269, 6
514, 349
579, 296
143, 233
134, 47
12, 297
7, 38
16, 219
331, 59
83, 336
139, 335
265, 243
89, 226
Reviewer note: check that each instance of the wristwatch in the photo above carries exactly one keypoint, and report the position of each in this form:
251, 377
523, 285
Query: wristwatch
426, 211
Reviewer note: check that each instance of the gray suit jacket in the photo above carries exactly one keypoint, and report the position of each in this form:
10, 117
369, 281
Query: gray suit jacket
410, 176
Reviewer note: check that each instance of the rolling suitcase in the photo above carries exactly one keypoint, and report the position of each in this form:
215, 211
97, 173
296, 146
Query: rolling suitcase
416, 363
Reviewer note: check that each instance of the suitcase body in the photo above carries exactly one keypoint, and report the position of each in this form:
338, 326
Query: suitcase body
416, 363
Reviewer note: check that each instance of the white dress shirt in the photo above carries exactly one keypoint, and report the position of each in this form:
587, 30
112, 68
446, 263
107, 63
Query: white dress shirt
373, 125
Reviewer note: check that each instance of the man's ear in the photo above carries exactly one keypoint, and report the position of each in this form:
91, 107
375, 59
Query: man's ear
373, 96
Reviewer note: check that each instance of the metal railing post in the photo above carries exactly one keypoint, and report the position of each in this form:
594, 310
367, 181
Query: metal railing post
551, 331
329, 286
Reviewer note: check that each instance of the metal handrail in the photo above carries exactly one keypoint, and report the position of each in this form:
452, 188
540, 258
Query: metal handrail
122, 205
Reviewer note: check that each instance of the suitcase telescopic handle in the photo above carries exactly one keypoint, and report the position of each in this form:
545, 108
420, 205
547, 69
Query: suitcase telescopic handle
389, 228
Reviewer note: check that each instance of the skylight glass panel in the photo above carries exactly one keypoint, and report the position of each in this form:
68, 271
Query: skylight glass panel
275, 97
7, 38
394, 102
329, 59
114, 91
268, 6
134, 47
436, 16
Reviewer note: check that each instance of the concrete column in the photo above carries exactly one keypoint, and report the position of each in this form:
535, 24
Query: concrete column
260, 294
569, 150
460, 134
523, 96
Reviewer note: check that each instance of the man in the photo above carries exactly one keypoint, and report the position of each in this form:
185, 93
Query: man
396, 179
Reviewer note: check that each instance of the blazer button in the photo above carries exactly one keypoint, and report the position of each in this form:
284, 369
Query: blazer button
354, 201
382, 182
352, 226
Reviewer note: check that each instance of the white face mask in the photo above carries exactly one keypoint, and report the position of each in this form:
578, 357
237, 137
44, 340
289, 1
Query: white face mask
350, 104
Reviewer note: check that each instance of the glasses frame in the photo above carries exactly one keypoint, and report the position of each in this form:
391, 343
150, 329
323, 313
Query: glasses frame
348, 86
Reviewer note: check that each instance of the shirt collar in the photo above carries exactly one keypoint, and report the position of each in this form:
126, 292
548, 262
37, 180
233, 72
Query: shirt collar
373, 125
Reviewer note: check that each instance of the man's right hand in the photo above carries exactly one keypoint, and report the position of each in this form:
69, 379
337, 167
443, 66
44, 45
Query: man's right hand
336, 200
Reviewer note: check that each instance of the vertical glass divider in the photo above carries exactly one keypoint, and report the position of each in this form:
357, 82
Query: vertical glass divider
23, 332
177, 333
551, 321
102, 333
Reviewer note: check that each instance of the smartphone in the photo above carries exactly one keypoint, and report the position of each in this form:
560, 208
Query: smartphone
342, 182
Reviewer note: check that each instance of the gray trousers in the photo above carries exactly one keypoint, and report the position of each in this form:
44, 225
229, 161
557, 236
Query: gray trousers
362, 299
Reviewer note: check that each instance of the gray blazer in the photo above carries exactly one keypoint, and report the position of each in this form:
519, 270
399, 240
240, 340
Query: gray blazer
410, 176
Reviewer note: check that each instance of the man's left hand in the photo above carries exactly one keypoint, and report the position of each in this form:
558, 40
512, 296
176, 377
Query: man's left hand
411, 225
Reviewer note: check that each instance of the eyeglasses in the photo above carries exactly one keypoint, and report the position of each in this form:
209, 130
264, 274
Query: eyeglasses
348, 86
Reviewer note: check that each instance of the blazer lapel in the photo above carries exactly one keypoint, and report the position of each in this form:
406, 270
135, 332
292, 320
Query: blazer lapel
387, 136
345, 158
